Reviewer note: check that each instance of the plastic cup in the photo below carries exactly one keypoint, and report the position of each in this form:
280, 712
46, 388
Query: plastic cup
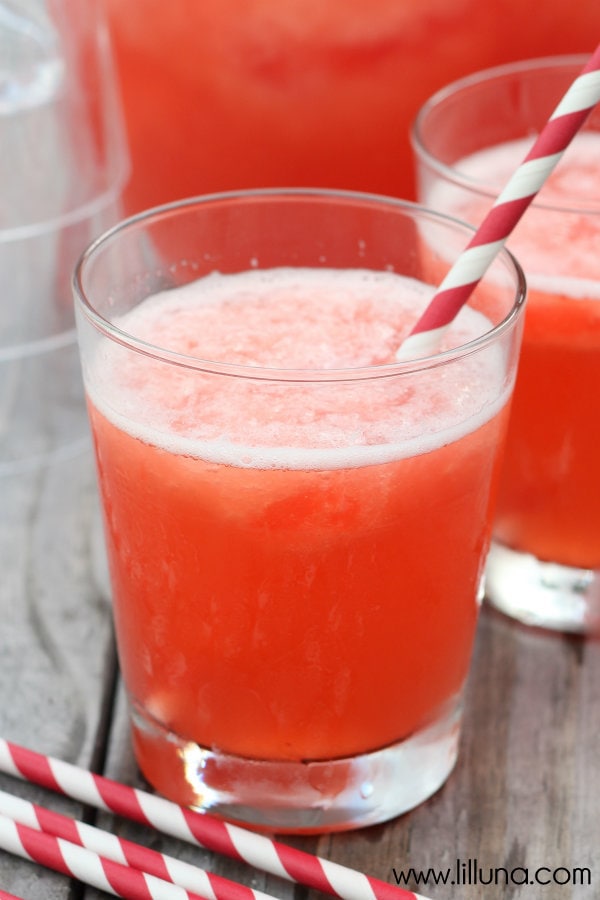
544, 566
295, 546
63, 167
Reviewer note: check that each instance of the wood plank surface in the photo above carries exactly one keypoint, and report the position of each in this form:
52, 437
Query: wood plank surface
55, 635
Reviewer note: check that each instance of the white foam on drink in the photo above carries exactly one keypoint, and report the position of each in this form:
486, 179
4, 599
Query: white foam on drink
303, 318
557, 239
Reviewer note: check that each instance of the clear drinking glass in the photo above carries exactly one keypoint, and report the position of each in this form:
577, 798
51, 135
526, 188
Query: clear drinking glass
544, 567
63, 164
296, 523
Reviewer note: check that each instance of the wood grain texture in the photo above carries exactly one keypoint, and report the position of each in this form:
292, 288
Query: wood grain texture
55, 634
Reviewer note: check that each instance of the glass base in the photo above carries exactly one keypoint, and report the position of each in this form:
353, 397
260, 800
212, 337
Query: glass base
543, 594
299, 797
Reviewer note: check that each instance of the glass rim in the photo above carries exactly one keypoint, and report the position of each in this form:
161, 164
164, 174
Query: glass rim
481, 77
266, 373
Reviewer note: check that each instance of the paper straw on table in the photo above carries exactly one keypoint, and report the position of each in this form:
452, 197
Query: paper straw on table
197, 828
85, 865
109, 846
522, 187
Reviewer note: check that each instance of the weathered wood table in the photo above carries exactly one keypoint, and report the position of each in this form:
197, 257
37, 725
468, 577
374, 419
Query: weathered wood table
523, 800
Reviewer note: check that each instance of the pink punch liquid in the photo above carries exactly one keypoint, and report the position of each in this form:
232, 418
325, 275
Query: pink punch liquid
295, 560
549, 501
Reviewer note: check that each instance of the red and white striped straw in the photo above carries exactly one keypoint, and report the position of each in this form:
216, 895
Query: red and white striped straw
522, 187
85, 865
109, 846
4, 895
196, 828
